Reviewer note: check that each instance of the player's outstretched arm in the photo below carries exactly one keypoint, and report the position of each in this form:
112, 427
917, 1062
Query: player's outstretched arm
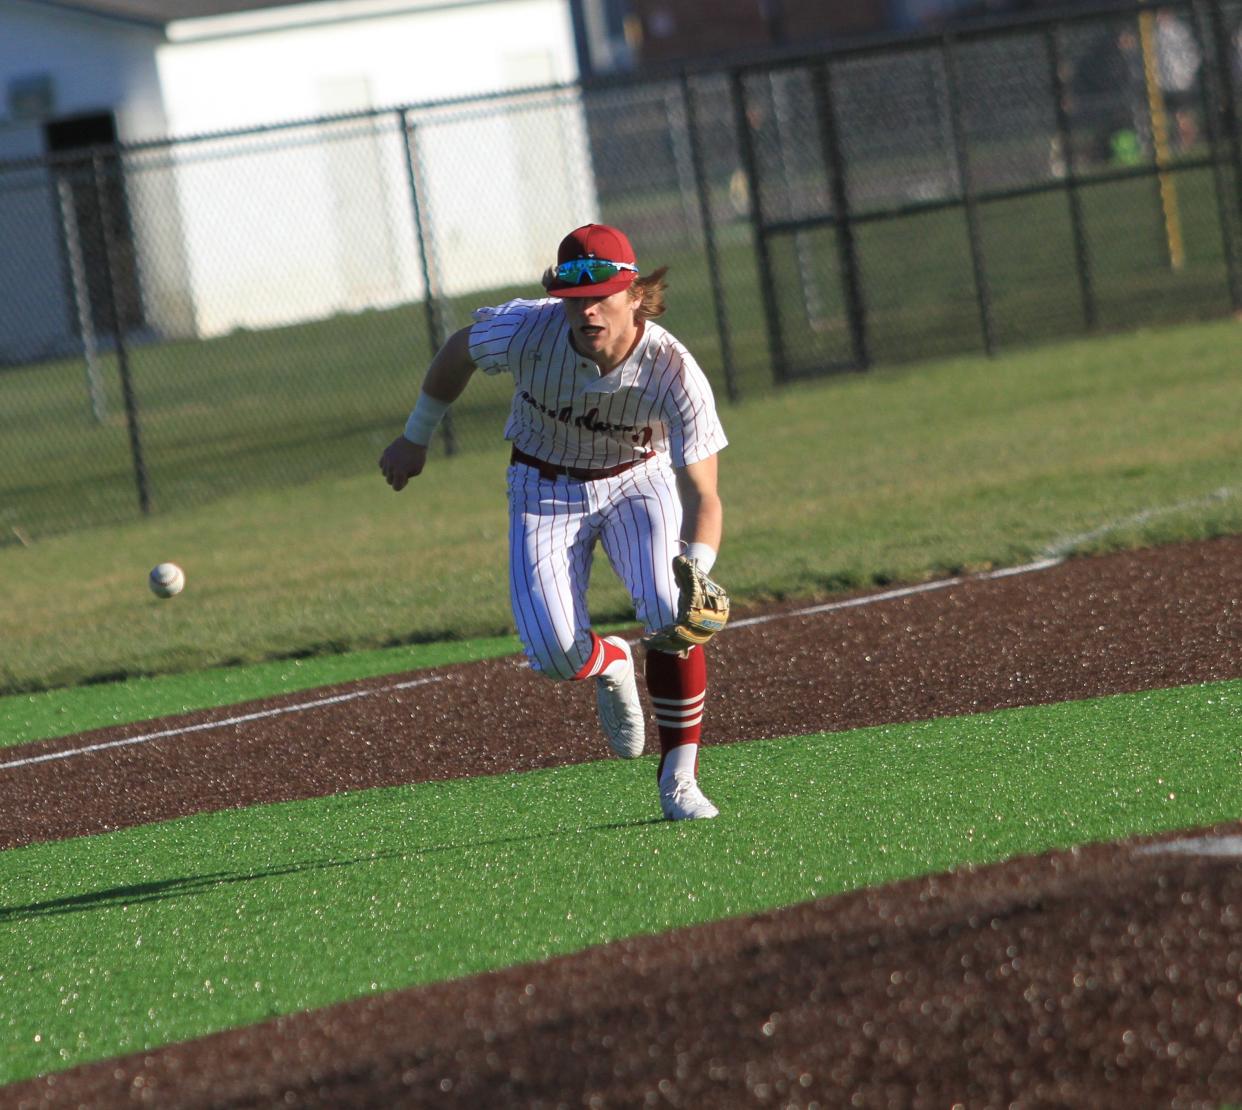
450, 371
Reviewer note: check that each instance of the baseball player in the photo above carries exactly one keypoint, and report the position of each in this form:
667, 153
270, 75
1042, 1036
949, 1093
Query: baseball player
615, 436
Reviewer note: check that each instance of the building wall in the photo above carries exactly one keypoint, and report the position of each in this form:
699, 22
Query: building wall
312, 220
95, 64
33, 275
92, 65
238, 71
322, 215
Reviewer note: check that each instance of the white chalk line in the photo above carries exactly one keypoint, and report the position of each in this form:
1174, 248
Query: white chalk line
1057, 552
1220, 846
164, 734
904, 591
262, 714
1064, 546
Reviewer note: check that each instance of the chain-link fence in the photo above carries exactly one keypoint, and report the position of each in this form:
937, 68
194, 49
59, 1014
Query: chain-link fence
183, 319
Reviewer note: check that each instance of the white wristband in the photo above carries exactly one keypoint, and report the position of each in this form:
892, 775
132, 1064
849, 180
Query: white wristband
702, 554
423, 421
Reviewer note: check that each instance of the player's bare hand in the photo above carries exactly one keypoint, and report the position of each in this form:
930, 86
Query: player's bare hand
401, 461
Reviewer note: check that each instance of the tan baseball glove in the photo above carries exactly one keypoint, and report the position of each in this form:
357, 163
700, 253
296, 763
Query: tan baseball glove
702, 611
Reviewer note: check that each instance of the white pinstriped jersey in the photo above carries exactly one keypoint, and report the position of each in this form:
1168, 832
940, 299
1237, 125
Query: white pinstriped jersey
566, 413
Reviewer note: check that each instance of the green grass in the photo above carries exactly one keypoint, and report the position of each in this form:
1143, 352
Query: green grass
124, 941
899, 475
38, 716
261, 409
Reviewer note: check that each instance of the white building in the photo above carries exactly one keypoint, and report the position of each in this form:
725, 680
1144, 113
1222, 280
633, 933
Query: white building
236, 227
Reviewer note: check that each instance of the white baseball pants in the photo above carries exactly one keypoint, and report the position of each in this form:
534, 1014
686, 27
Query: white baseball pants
554, 525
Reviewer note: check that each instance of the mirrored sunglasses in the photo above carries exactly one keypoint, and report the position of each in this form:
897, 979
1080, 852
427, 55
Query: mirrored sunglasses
590, 271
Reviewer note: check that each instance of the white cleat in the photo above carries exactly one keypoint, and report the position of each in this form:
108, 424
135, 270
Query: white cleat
682, 800
620, 711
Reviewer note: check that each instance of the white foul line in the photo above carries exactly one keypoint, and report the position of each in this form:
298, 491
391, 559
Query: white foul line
868, 599
1196, 846
1067, 544
258, 716
905, 591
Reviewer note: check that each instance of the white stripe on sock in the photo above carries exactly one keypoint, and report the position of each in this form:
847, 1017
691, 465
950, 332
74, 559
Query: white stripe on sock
679, 714
674, 703
667, 723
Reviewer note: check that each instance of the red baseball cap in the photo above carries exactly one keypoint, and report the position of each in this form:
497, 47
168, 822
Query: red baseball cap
594, 243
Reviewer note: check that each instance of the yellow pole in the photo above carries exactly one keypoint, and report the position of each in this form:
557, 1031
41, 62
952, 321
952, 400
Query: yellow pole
1160, 141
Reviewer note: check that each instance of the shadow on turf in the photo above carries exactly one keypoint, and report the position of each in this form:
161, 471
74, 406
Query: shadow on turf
162, 889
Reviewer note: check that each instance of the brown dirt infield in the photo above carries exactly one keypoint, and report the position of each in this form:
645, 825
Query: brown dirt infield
1107, 976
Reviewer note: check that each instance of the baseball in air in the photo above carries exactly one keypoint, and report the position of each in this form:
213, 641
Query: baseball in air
167, 580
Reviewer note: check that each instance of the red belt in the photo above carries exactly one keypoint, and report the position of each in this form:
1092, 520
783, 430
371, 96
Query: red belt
578, 474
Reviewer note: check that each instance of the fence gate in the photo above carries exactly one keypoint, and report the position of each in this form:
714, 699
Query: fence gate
992, 185
793, 176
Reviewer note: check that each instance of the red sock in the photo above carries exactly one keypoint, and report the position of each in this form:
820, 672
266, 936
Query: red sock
602, 654
678, 689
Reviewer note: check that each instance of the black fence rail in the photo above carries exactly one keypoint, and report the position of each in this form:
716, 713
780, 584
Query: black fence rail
187, 318
977, 148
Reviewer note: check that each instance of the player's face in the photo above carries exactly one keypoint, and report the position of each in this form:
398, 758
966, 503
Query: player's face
603, 328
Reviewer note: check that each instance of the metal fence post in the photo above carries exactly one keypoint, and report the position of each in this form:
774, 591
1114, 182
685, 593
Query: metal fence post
118, 330
1082, 257
81, 294
678, 125
746, 147
847, 249
1211, 101
435, 324
962, 157
787, 144
1231, 120
709, 240
1228, 118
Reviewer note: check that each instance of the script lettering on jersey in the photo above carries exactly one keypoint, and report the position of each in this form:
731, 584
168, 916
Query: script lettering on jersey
589, 420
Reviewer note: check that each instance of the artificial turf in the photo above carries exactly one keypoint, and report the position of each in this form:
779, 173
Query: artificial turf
124, 941
48, 713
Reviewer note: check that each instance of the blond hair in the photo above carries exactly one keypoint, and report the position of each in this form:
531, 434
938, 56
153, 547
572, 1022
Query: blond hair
652, 287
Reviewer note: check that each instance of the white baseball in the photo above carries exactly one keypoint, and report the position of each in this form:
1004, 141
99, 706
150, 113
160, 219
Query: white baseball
167, 580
